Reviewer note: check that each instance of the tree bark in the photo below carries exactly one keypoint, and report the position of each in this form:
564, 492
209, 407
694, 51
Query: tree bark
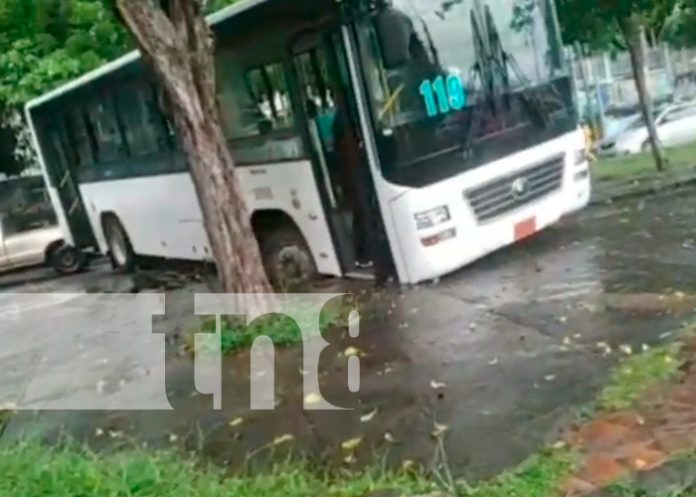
635, 34
179, 46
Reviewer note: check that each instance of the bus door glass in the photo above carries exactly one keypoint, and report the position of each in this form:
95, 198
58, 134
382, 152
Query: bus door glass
62, 173
337, 144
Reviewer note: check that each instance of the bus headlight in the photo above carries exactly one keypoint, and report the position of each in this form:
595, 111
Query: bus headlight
433, 217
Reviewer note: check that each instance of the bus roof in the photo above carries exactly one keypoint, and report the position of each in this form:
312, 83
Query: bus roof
213, 19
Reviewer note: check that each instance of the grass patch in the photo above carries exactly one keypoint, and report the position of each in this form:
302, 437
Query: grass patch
639, 165
30, 469
638, 373
540, 476
283, 331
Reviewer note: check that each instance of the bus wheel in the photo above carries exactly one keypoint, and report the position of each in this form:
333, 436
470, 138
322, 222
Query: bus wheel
120, 249
287, 259
66, 260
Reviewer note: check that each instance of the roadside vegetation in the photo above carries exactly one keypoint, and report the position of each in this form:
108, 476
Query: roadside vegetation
30, 469
640, 165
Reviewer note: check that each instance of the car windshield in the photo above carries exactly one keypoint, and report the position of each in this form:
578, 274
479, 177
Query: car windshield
479, 80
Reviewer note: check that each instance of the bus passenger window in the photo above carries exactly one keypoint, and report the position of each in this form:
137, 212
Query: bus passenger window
106, 133
268, 90
141, 123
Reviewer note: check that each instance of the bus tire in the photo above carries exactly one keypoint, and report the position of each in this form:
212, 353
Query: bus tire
66, 260
121, 252
287, 258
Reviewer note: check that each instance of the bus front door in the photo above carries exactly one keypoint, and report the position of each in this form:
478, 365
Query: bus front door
64, 182
336, 144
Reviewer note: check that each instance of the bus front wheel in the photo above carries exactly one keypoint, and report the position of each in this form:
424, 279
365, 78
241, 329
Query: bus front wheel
287, 259
120, 249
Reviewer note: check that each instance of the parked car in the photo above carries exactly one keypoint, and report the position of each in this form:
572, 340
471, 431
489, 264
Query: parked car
676, 125
27, 241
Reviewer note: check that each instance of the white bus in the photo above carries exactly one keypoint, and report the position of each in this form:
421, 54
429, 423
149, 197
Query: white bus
421, 135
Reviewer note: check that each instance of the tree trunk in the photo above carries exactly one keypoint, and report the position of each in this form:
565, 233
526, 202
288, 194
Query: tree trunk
635, 36
179, 46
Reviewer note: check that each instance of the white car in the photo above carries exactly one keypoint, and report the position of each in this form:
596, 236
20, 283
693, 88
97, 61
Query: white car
26, 242
676, 125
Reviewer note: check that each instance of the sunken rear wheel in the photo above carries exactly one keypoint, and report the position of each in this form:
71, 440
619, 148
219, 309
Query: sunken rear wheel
288, 261
120, 249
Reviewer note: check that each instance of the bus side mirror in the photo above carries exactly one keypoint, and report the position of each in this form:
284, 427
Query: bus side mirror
394, 32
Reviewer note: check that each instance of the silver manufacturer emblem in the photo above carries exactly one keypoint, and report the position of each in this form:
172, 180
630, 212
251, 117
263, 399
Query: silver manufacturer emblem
520, 188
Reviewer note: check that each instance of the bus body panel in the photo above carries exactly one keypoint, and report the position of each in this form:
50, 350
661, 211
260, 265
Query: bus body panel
472, 239
162, 216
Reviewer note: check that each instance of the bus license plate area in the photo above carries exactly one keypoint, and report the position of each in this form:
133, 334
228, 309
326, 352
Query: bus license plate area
525, 229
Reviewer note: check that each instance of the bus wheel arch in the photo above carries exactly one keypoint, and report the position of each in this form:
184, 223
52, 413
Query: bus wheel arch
120, 249
286, 255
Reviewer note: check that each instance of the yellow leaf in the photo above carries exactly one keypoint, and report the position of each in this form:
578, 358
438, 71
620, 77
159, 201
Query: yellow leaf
366, 418
352, 444
283, 439
437, 385
351, 352
236, 422
312, 398
389, 438
439, 430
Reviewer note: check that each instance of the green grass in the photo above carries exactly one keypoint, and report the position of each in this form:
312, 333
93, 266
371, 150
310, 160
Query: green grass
640, 165
539, 476
282, 330
636, 374
30, 469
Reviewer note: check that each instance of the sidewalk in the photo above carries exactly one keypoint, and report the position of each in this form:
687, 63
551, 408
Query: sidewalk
642, 443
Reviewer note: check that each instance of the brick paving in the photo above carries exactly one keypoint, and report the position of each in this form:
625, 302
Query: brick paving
619, 444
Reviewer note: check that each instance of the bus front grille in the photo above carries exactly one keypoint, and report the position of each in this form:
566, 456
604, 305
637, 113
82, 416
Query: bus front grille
513, 191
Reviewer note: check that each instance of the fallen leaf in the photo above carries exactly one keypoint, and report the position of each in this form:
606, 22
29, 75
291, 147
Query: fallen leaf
437, 385
283, 439
639, 463
388, 370
493, 361
439, 430
349, 459
351, 352
577, 336
389, 438
645, 347
352, 444
626, 349
236, 422
98, 432
366, 418
407, 465
312, 398
558, 445
173, 438
567, 341
115, 434
563, 319
550, 377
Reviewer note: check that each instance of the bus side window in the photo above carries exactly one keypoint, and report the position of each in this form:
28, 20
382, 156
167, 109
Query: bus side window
108, 142
142, 132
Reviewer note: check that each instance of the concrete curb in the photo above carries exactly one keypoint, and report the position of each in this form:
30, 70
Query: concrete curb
644, 188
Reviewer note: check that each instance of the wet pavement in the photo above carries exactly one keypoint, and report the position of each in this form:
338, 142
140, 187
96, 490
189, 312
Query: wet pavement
503, 353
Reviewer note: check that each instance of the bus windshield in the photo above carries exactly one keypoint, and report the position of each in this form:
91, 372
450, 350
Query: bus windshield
455, 84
